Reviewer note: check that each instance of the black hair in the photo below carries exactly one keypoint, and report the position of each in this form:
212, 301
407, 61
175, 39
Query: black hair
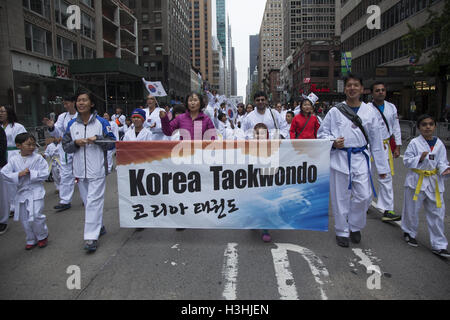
354, 77
178, 109
91, 98
423, 117
70, 98
200, 97
378, 83
22, 137
11, 114
221, 115
260, 94
291, 113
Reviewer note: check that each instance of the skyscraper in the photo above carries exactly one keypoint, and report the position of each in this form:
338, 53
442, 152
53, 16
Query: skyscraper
271, 41
307, 21
203, 28
164, 50
222, 25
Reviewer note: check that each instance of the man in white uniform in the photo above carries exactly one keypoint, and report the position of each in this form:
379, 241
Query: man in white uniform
390, 127
153, 121
57, 130
278, 128
350, 160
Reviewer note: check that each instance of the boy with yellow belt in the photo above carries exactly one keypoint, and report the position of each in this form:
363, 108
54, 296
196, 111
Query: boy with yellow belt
426, 157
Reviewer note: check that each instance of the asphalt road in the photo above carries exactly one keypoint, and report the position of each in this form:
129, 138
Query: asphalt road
163, 264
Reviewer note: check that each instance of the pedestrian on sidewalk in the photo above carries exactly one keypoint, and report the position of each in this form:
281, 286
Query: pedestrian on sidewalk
354, 126
88, 138
426, 159
391, 136
27, 171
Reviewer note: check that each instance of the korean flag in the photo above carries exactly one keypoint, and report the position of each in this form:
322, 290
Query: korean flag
155, 88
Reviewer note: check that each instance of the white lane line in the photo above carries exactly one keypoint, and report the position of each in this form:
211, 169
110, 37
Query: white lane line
285, 279
230, 272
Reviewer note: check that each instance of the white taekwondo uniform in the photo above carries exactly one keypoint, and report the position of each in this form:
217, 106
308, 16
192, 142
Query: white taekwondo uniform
52, 153
12, 130
435, 163
67, 183
144, 135
350, 206
386, 191
272, 122
30, 194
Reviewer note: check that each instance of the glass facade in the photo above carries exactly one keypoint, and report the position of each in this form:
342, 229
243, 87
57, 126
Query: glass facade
222, 25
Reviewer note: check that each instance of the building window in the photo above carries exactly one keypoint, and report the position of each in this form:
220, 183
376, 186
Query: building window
88, 53
66, 49
89, 3
61, 14
41, 7
38, 40
87, 26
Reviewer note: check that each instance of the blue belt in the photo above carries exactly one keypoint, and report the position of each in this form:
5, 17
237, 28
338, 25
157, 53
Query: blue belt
351, 151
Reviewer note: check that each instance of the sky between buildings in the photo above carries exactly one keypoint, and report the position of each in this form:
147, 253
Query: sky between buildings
245, 19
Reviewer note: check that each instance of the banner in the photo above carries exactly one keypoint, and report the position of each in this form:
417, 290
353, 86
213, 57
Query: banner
224, 184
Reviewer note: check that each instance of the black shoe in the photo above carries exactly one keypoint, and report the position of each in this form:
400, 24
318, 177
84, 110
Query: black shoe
3, 228
441, 253
180, 229
390, 216
410, 240
342, 241
62, 207
139, 229
91, 246
102, 231
355, 236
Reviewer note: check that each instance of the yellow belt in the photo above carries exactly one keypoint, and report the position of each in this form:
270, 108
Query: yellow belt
427, 173
391, 156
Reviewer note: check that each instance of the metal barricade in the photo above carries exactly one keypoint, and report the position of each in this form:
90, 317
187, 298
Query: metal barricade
443, 131
39, 133
408, 129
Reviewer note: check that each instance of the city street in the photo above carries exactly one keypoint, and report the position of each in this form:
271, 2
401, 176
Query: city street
220, 264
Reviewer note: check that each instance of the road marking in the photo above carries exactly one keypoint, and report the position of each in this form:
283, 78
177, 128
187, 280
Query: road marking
285, 279
230, 272
367, 259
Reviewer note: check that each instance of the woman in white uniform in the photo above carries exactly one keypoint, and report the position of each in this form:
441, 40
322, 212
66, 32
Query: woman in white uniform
8, 120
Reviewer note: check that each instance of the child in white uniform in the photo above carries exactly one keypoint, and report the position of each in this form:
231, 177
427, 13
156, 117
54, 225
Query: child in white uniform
27, 171
426, 157
52, 153
138, 132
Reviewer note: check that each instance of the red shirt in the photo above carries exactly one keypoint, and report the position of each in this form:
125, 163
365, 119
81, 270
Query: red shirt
310, 131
